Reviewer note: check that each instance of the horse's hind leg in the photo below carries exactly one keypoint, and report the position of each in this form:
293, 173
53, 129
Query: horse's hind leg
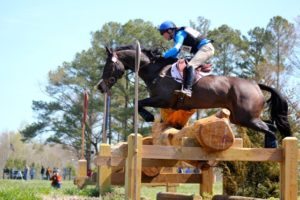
258, 125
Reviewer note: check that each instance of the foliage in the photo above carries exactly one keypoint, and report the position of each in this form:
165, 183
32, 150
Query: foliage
230, 50
15, 163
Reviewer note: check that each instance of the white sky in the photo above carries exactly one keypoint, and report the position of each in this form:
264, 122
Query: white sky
37, 36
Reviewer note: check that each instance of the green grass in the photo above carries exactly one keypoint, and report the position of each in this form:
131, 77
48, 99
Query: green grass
38, 189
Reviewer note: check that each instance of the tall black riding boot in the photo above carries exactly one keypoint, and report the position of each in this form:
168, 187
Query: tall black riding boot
188, 81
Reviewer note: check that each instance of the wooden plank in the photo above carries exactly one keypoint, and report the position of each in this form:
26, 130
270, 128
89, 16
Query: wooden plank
119, 179
173, 178
176, 196
226, 197
120, 162
159, 153
232, 154
238, 142
288, 169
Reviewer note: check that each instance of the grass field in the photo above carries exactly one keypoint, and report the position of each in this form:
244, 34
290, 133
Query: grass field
39, 189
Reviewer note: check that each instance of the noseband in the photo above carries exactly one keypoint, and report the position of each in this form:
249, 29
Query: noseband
114, 77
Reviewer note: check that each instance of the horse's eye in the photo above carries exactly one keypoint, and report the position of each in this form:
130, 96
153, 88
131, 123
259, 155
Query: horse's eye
112, 80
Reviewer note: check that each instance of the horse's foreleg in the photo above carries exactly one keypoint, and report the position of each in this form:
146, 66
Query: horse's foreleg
150, 102
146, 115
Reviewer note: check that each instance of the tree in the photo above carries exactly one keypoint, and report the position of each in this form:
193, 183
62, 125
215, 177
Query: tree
283, 40
230, 50
255, 63
202, 25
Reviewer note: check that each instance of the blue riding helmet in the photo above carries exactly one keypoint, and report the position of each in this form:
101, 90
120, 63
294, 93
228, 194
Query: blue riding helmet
165, 26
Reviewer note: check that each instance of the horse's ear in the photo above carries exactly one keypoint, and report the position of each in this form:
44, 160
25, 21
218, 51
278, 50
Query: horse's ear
108, 51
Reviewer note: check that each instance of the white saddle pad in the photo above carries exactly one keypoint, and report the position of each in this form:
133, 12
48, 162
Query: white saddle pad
178, 76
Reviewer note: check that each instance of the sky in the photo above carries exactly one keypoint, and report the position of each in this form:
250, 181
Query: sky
37, 36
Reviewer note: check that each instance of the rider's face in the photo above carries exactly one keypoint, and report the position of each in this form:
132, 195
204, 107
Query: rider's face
167, 35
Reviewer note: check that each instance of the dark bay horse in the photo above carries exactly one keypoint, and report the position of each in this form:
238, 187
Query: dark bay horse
242, 97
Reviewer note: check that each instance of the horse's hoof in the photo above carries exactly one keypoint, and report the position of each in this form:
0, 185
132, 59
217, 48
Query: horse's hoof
149, 118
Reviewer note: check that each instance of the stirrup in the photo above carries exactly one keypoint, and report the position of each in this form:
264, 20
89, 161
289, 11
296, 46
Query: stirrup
185, 92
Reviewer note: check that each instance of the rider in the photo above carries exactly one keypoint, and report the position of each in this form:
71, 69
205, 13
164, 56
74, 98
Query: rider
188, 39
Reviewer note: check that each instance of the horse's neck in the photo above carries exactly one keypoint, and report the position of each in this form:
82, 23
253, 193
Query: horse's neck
127, 57
148, 70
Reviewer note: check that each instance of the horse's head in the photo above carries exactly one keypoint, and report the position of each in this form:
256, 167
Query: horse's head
113, 70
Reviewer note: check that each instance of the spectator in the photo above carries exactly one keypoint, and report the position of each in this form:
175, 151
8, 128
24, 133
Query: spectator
65, 173
56, 179
48, 173
26, 172
180, 170
42, 172
32, 173
188, 170
196, 171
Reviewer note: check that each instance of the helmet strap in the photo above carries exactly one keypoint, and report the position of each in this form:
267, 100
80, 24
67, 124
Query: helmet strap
171, 33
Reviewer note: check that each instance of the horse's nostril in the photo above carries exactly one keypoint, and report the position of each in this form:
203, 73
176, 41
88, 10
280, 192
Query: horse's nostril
112, 80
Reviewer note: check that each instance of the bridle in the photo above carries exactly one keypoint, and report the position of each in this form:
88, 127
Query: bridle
112, 79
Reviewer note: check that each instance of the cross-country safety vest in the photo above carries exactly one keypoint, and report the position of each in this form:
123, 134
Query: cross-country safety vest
192, 39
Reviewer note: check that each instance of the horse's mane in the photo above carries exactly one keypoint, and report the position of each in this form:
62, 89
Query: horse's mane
153, 54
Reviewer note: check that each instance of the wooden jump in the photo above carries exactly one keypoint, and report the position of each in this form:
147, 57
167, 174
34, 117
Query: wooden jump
166, 156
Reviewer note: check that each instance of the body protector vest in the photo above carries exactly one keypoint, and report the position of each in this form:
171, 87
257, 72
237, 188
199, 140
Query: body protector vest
192, 39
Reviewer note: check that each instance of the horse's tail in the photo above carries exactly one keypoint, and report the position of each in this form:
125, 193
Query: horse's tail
279, 110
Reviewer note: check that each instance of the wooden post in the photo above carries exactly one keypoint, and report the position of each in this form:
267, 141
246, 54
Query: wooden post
82, 168
171, 187
288, 169
104, 172
129, 171
81, 177
207, 181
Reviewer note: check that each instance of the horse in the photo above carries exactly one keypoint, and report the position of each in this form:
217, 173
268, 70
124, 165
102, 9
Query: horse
243, 98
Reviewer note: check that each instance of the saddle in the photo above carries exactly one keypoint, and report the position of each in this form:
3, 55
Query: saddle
177, 70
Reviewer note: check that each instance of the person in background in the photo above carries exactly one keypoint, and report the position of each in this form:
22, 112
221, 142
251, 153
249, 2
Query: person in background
65, 173
25, 172
56, 179
32, 173
42, 172
180, 170
89, 173
48, 173
188, 170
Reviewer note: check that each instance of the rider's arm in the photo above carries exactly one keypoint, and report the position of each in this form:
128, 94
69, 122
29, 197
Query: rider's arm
179, 38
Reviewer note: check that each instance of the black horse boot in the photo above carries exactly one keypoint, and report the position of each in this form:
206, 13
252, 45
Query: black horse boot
187, 81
